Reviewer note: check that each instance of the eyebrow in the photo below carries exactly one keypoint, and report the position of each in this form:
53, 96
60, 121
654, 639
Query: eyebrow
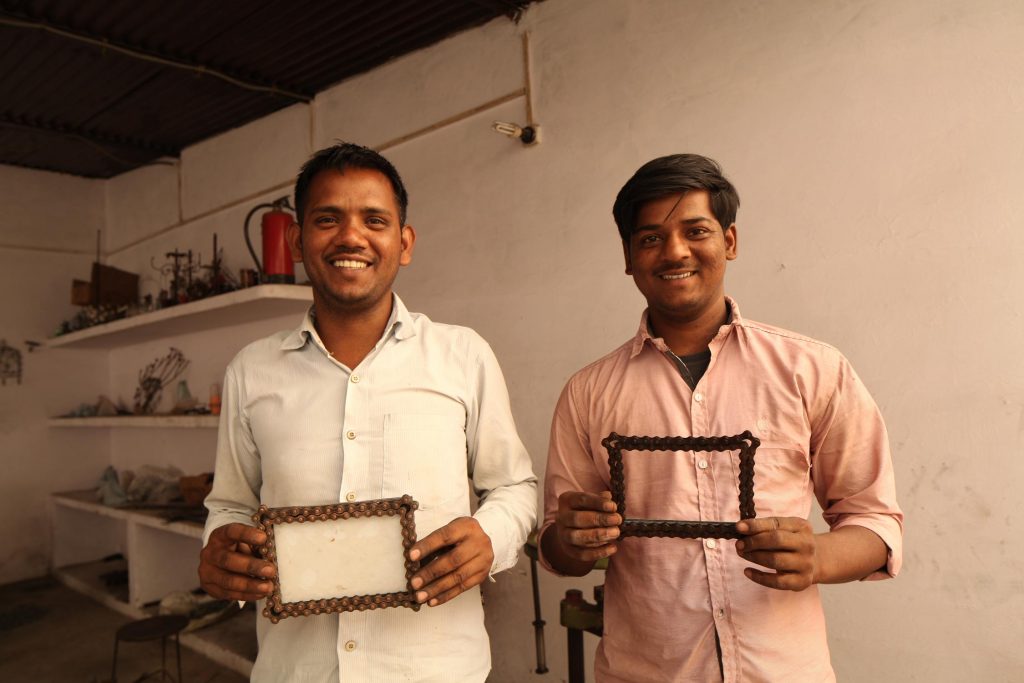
337, 211
687, 221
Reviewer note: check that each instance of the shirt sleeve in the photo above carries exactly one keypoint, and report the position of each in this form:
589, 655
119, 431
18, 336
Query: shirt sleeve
237, 478
499, 465
570, 463
852, 467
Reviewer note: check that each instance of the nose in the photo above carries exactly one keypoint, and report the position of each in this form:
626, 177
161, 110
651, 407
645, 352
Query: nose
349, 234
677, 247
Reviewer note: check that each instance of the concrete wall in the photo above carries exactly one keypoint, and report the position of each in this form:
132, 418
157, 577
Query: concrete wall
876, 147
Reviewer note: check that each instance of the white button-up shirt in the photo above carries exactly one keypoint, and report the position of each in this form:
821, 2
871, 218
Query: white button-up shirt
426, 413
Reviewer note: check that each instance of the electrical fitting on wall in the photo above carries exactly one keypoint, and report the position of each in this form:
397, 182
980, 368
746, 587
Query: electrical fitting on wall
528, 135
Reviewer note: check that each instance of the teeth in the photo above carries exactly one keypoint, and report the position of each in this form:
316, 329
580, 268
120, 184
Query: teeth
676, 277
348, 264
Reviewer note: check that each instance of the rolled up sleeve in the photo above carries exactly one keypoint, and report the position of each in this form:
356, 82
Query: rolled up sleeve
499, 466
237, 478
852, 472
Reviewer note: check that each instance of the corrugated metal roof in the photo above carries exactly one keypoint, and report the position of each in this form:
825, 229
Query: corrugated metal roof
99, 88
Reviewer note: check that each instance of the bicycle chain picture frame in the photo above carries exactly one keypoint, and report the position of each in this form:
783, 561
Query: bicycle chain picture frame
746, 443
268, 519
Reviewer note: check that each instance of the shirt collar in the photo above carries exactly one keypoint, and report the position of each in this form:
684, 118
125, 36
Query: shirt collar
643, 334
400, 324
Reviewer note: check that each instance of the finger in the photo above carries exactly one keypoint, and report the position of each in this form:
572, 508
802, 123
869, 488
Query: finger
782, 562
779, 581
225, 585
588, 538
768, 541
451, 593
449, 534
796, 538
592, 554
458, 581
580, 500
444, 564
241, 563
758, 525
588, 519
767, 524
436, 555
238, 533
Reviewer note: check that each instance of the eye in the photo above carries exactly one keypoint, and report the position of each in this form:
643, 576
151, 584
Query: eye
325, 220
649, 239
697, 232
377, 221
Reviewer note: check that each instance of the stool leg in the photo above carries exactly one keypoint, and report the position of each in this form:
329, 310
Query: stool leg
113, 668
177, 645
163, 658
576, 671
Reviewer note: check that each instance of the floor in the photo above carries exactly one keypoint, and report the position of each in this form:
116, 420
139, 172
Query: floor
50, 633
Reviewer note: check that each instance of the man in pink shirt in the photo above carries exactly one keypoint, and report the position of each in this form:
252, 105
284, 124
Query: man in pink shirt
713, 609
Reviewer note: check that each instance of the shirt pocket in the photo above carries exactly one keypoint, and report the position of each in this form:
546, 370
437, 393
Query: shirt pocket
425, 457
782, 480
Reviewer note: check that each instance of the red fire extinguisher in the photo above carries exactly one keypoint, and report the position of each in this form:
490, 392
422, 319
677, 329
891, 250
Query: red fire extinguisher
277, 260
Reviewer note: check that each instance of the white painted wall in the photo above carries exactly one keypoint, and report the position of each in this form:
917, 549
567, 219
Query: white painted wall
53, 220
876, 146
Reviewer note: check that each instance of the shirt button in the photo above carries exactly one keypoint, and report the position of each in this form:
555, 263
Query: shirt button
698, 397
350, 645
720, 612
355, 379
711, 543
703, 464
350, 496
351, 435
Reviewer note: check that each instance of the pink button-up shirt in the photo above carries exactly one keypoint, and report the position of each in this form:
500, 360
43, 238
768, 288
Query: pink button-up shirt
821, 436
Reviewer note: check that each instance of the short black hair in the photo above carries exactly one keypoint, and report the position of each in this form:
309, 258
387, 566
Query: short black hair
671, 175
339, 157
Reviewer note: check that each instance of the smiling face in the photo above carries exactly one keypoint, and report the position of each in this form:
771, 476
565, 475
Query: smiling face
351, 241
677, 256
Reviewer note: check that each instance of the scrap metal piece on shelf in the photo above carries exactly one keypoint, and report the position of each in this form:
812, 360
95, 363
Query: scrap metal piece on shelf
108, 286
154, 377
10, 363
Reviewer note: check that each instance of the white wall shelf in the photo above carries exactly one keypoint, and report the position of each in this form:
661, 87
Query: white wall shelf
230, 643
234, 308
160, 421
159, 556
86, 502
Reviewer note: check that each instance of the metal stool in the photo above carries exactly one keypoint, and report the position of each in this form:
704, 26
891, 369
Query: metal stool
575, 614
150, 629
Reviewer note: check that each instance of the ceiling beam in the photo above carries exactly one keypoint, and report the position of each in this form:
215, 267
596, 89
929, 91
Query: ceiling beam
94, 137
260, 84
510, 8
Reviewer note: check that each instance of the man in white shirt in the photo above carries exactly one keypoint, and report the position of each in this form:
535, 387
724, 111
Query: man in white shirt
366, 400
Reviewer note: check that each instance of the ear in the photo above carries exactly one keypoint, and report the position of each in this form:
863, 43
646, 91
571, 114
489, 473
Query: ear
408, 242
294, 237
625, 253
731, 243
